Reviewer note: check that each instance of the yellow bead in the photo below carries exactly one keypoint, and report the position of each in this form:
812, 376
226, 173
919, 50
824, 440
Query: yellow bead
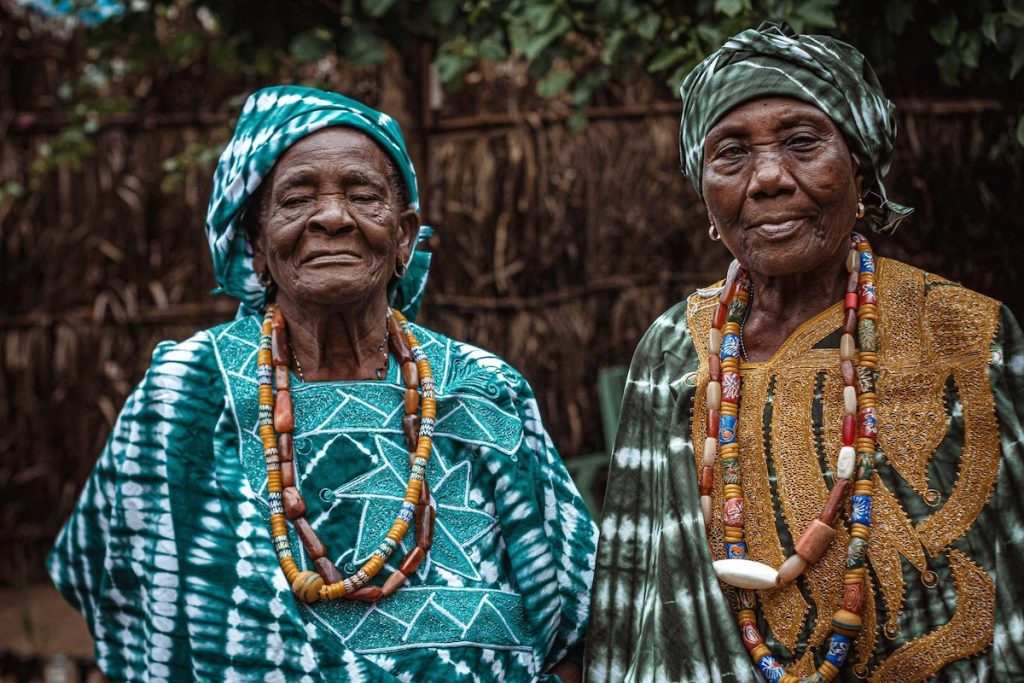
759, 651
733, 534
860, 531
728, 409
746, 616
732, 491
729, 450
828, 670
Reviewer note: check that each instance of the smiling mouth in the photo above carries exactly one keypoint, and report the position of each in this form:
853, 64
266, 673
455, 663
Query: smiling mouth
329, 258
777, 229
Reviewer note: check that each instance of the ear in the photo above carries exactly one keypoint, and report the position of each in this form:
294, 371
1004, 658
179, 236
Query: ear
858, 178
408, 229
259, 259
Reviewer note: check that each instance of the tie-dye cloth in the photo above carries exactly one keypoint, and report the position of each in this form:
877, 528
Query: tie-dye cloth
168, 554
946, 593
169, 557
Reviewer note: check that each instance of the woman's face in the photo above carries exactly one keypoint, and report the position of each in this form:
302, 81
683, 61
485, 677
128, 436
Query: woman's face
780, 185
332, 231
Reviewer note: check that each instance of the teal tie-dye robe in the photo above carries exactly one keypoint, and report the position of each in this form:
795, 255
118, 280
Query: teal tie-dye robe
946, 557
168, 554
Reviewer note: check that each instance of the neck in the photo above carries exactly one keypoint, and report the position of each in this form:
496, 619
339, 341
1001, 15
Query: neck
337, 344
781, 303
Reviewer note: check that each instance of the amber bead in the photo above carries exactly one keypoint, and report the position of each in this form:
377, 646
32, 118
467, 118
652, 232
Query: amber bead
412, 401
279, 350
412, 561
283, 420
294, 505
310, 541
714, 341
410, 375
287, 473
853, 282
282, 378
394, 582
399, 343
424, 526
815, 540
285, 449
713, 395
327, 570
411, 430
835, 501
707, 480
366, 594
712, 423
853, 261
850, 323
424, 493
847, 347
715, 367
846, 623
306, 586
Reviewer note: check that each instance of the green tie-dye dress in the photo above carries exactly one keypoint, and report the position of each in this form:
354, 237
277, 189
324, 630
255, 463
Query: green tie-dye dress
168, 554
946, 556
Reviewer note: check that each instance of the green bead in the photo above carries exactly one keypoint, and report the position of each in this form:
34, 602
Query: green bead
867, 337
731, 471
856, 553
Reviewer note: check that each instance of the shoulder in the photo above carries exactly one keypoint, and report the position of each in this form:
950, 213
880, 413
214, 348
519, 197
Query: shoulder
181, 371
953, 319
460, 367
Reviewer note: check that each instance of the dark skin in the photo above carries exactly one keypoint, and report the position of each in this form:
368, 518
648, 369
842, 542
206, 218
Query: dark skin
782, 188
331, 234
331, 237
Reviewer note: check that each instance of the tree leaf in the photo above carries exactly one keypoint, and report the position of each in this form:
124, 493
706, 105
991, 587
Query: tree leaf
897, 14
818, 13
310, 46
944, 32
450, 66
376, 9
611, 47
1020, 131
668, 56
647, 27
949, 67
554, 84
729, 8
531, 43
363, 48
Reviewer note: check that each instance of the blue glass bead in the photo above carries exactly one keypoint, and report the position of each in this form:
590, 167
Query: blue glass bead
771, 669
838, 648
736, 551
730, 346
861, 509
867, 262
726, 429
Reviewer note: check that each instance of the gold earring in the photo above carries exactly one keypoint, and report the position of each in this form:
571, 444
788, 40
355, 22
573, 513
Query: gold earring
401, 270
713, 232
860, 209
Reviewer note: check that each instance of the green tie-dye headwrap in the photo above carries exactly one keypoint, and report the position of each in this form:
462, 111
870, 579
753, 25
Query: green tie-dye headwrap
822, 71
272, 120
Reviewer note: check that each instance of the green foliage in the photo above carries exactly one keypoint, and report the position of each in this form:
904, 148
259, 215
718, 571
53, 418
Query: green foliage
575, 48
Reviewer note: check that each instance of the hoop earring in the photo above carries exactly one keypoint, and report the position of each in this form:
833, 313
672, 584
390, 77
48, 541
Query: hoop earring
713, 232
860, 209
266, 279
401, 270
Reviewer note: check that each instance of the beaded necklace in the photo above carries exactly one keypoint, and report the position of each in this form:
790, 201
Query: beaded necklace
856, 459
276, 424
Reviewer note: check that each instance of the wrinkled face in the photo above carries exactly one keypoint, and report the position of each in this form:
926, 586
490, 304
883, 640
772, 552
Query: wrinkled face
331, 230
781, 186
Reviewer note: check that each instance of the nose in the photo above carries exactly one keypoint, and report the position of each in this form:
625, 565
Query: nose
332, 216
769, 175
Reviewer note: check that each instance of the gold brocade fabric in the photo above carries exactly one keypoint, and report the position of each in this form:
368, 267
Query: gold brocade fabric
932, 336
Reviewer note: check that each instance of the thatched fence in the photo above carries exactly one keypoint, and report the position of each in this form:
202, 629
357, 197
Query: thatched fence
555, 249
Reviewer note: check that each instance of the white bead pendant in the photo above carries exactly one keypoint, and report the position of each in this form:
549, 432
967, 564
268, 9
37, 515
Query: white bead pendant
746, 574
846, 462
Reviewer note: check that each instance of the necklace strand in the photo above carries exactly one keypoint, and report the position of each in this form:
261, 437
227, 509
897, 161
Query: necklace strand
856, 458
379, 371
276, 425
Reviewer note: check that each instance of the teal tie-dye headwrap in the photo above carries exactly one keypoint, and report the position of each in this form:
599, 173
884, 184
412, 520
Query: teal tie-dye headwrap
822, 71
272, 120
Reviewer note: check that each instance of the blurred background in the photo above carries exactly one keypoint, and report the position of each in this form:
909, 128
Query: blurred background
545, 137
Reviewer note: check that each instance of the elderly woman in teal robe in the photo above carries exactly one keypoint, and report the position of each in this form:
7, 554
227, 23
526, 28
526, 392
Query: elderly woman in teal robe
322, 489
818, 469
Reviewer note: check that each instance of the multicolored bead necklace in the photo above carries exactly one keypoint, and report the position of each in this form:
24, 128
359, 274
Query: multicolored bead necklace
856, 458
276, 424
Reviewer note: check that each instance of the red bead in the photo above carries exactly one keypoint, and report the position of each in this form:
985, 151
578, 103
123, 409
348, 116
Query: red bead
715, 368
707, 480
287, 473
835, 501
853, 282
850, 323
424, 516
849, 429
365, 594
328, 571
284, 447
314, 546
751, 636
853, 597
814, 541
733, 511
410, 375
411, 561
851, 300
849, 374
712, 425
283, 419
294, 506
721, 312
279, 350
